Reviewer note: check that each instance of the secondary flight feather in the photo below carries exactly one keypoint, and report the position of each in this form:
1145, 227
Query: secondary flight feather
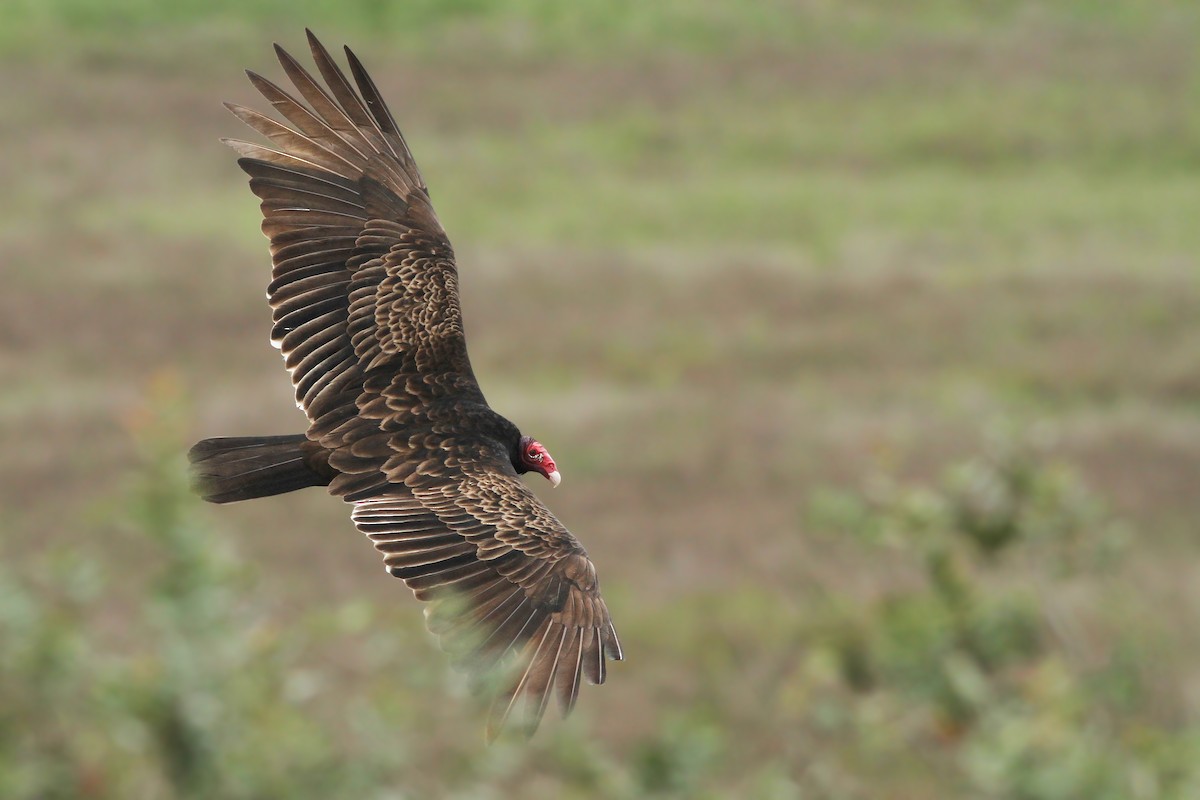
364, 300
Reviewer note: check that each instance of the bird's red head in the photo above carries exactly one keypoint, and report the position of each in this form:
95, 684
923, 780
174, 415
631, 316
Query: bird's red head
535, 458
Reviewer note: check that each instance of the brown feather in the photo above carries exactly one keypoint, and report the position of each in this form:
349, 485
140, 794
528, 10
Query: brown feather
349, 102
320, 101
310, 124
330, 152
567, 681
376, 105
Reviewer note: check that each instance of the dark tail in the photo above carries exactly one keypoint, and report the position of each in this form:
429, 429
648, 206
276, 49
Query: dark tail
226, 469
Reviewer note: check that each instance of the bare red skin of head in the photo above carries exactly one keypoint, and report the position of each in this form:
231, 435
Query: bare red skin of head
536, 458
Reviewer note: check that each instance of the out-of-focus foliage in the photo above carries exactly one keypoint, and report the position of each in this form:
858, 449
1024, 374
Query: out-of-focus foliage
200, 696
593, 28
970, 671
979, 660
204, 695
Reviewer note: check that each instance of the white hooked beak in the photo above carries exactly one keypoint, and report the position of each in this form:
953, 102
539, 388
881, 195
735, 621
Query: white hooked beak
555, 478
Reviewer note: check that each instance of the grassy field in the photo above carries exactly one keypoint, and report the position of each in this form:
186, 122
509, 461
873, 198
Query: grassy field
865, 335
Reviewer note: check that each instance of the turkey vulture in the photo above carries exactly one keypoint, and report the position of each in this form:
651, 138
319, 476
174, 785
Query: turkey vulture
364, 295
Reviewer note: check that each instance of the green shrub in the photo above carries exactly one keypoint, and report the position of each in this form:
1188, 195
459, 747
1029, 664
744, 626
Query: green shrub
970, 656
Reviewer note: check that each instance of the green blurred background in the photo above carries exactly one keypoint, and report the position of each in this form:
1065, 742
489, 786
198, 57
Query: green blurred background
865, 334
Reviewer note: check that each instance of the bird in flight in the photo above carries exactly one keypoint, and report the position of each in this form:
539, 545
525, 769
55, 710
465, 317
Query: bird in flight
364, 300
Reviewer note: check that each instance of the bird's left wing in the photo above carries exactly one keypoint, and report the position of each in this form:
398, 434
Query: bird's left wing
364, 284
508, 587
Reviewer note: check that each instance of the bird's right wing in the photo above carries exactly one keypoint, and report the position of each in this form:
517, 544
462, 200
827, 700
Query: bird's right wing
364, 276
507, 585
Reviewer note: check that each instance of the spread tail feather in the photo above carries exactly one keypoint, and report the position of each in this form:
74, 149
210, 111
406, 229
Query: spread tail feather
233, 468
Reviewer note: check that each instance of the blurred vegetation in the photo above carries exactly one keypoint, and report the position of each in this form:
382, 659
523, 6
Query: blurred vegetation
980, 657
972, 674
588, 28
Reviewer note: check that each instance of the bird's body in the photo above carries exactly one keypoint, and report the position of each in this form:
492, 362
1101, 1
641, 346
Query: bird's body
364, 294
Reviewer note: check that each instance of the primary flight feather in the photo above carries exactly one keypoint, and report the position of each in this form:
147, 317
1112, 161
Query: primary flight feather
364, 299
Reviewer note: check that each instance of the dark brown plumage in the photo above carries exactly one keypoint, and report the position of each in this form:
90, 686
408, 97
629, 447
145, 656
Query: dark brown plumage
364, 295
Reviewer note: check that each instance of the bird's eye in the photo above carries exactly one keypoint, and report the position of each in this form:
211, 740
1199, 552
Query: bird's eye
534, 455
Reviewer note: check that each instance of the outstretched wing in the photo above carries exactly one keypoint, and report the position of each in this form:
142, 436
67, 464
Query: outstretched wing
511, 592
364, 276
